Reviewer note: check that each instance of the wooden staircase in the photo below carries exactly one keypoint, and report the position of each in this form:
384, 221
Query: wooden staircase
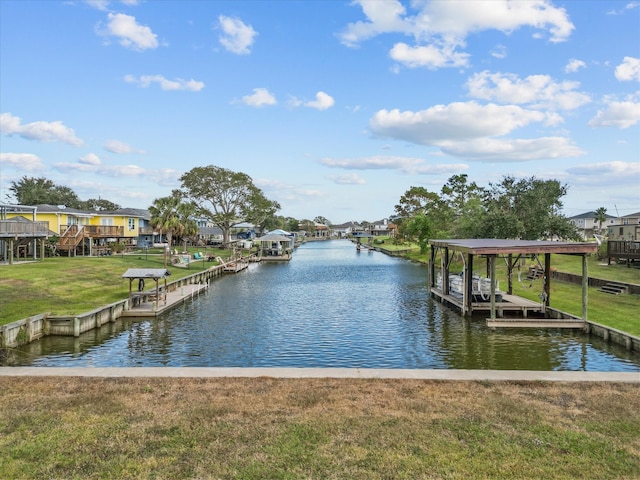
70, 239
535, 273
614, 288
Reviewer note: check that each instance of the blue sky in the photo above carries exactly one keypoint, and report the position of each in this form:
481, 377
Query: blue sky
333, 108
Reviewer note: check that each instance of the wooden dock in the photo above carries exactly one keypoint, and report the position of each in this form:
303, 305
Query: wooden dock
535, 323
509, 304
147, 307
512, 312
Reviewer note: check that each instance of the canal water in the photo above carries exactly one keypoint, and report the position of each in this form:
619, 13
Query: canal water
330, 306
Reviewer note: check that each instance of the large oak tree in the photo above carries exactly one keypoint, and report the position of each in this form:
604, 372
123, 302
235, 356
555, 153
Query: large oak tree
226, 198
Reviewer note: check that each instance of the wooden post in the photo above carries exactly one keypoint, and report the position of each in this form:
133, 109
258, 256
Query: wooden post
432, 268
470, 282
492, 267
157, 293
445, 272
547, 280
510, 274
585, 287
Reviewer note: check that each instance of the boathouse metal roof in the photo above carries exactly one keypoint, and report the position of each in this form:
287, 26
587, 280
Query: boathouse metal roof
146, 273
272, 237
494, 246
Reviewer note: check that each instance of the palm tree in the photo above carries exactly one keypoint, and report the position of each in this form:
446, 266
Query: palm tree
601, 217
170, 217
188, 224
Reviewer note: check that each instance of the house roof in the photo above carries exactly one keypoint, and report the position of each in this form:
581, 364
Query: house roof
146, 273
273, 237
632, 215
589, 215
48, 208
493, 246
126, 212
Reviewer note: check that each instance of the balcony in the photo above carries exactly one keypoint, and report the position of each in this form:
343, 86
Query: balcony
94, 231
13, 228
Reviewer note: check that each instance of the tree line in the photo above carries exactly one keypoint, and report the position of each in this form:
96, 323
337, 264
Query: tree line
522, 208
516, 208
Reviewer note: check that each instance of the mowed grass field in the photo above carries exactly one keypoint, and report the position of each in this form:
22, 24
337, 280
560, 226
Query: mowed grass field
65, 286
266, 428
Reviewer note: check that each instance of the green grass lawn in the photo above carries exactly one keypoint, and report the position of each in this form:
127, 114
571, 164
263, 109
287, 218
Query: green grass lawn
265, 428
64, 286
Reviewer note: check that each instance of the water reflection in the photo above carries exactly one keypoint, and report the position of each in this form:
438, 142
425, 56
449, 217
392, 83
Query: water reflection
331, 306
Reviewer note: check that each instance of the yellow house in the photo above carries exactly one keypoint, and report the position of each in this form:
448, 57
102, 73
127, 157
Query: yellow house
87, 232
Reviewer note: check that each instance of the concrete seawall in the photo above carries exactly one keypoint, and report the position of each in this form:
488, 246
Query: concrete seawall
35, 327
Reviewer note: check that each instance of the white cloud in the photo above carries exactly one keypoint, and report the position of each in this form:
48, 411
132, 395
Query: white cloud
467, 130
259, 98
236, 37
440, 27
629, 69
116, 146
27, 162
103, 5
430, 56
616, 168
382, 17
574, 65
538, 91
512, 150
129, 32
456, 121
406, 165
500, 51
40, 131
90, 159
627, 7
322, 101
622, 114
145, 81
347, 179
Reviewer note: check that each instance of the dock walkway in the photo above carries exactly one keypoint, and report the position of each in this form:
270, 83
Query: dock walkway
173, 298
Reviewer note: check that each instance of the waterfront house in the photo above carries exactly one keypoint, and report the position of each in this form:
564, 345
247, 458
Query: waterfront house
383, 228
345, 230
587, 225
84, 232
623, 244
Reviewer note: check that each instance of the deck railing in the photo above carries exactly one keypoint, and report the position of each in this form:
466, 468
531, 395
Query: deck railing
623, 249
93, 230
12, 227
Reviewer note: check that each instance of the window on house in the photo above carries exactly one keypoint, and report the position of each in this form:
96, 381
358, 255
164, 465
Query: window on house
132, 224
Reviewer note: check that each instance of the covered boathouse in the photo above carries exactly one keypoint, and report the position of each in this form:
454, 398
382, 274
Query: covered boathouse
469, 292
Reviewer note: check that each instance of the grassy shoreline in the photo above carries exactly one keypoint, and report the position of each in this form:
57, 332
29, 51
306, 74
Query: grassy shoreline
163, 428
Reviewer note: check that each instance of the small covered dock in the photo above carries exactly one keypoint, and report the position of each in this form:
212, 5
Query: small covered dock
275, 246
141, 276
470, 292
